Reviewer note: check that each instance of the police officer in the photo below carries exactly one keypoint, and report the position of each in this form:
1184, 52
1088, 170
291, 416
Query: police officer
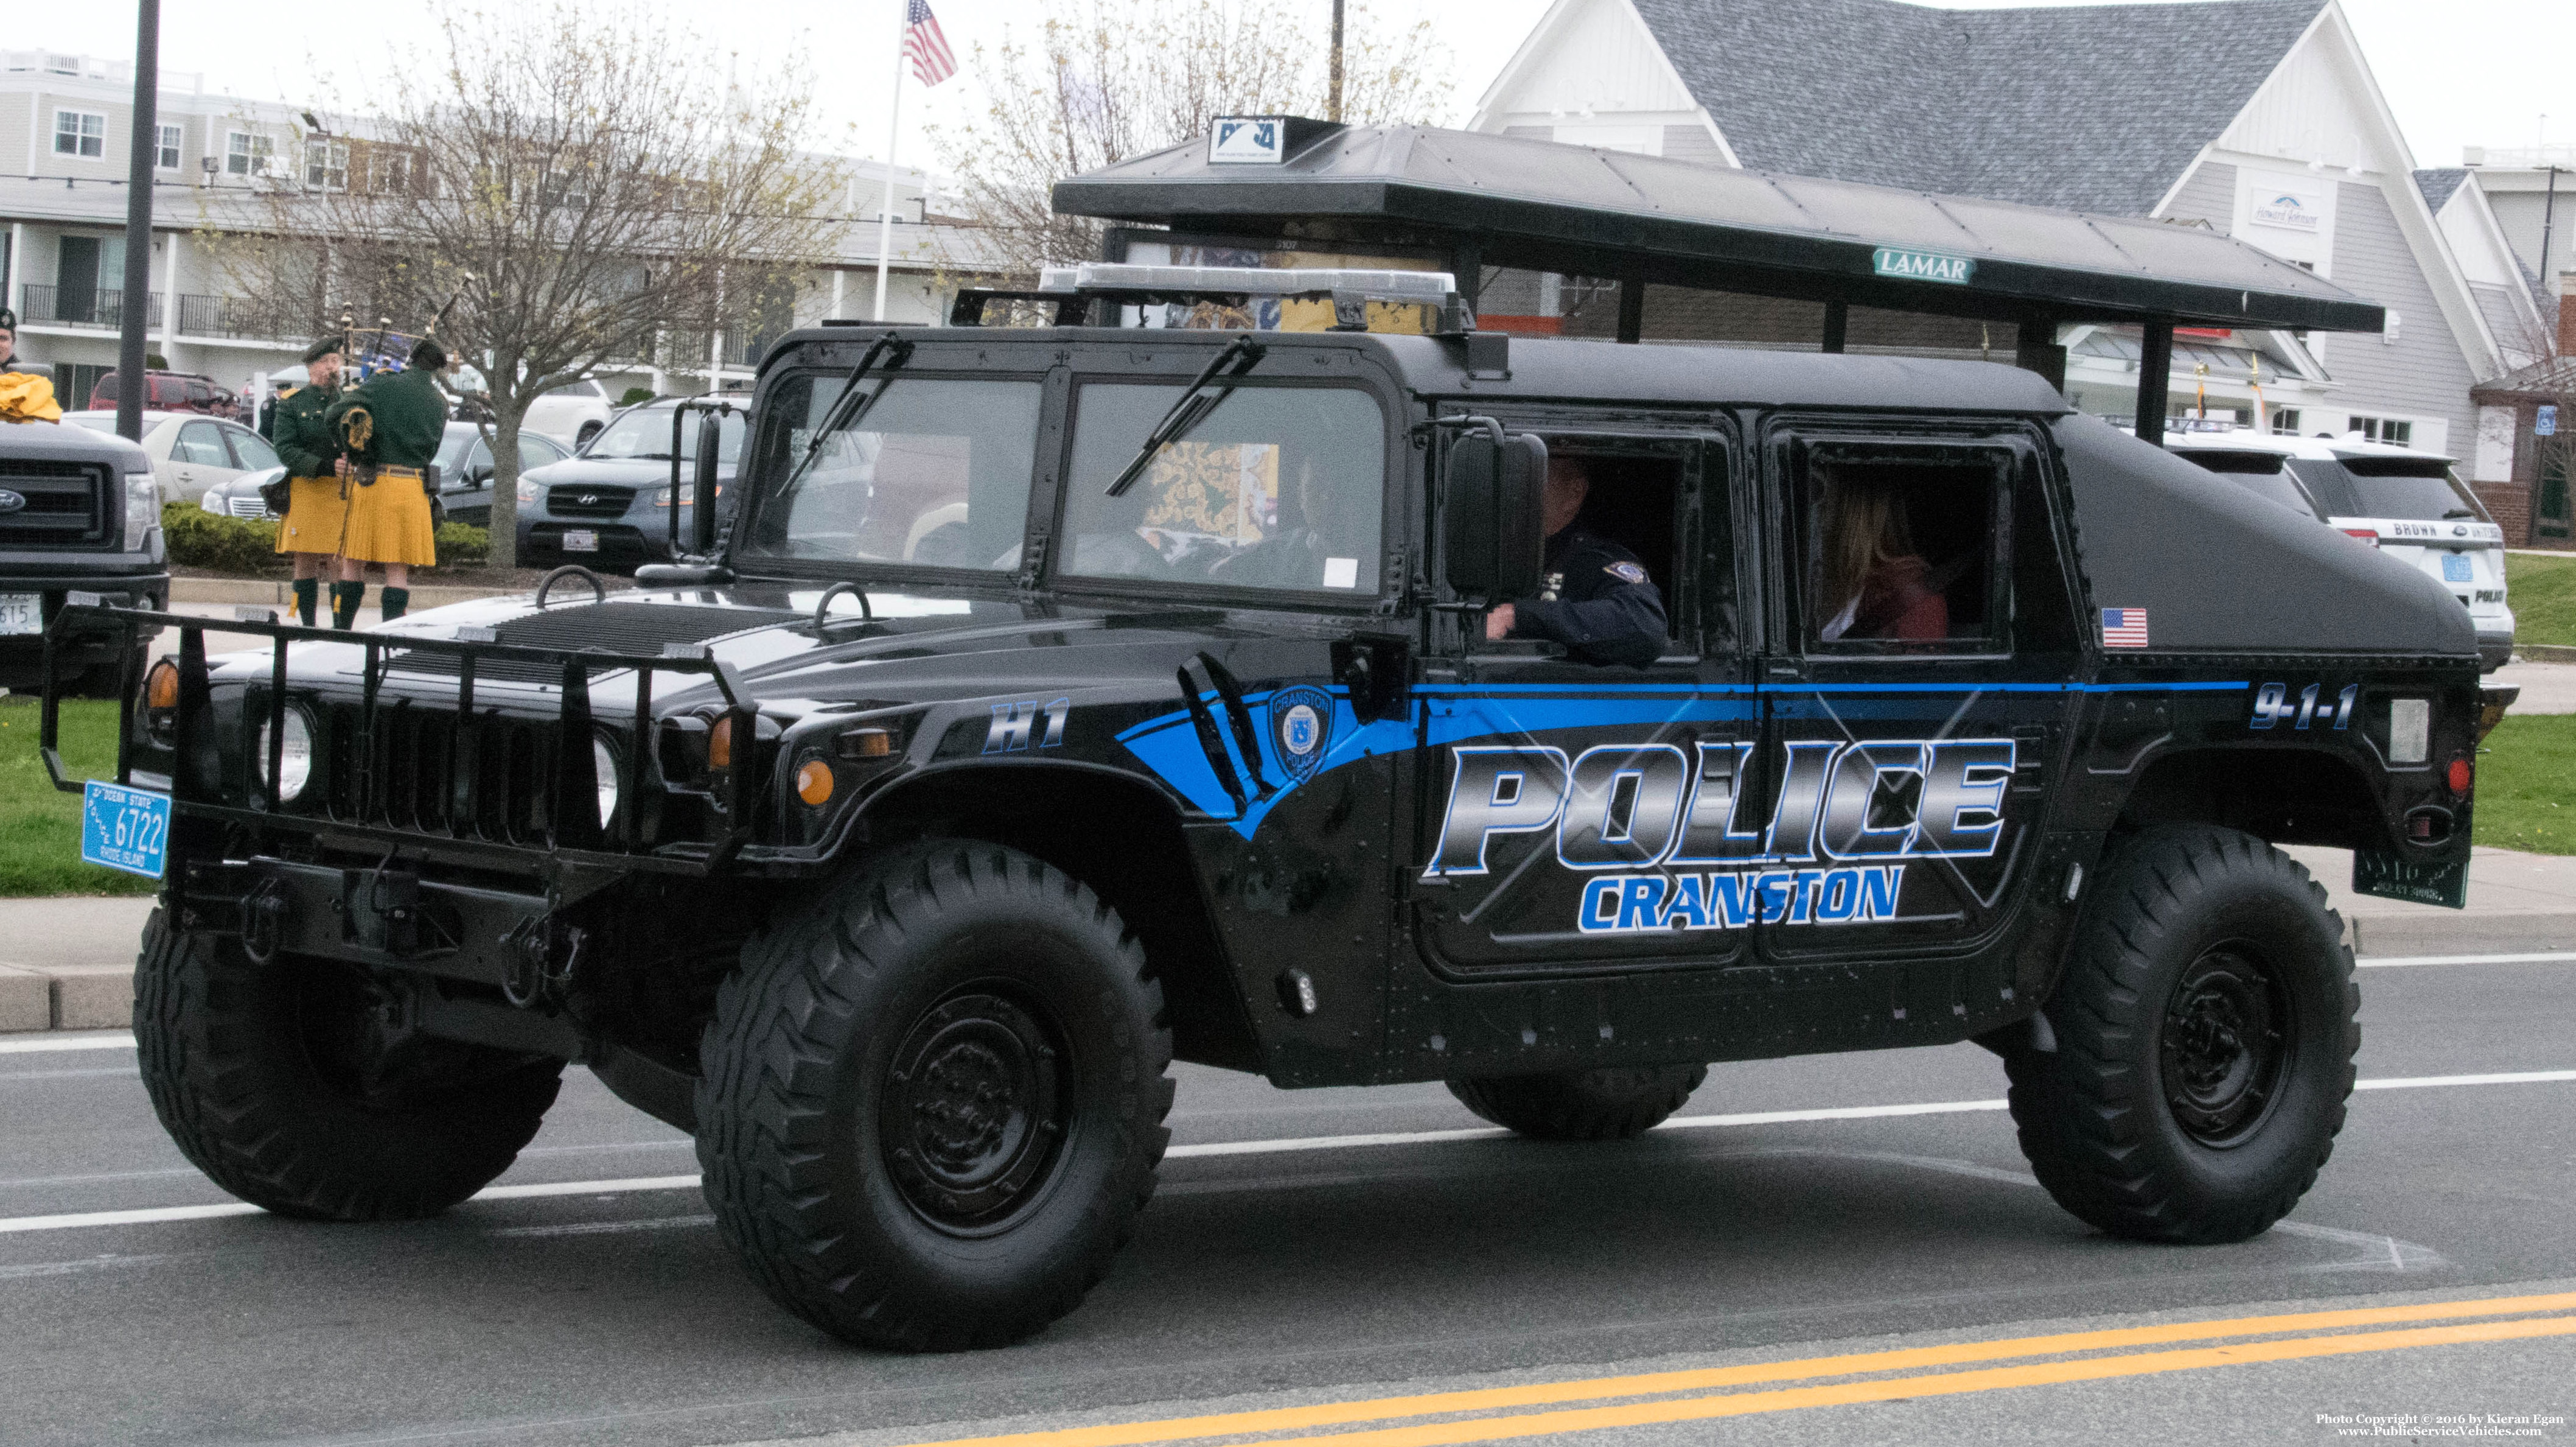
317, 473
9, 342
392, 425
1599, 601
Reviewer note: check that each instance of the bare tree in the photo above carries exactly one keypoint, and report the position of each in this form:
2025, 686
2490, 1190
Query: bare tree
567, 193
1105, 81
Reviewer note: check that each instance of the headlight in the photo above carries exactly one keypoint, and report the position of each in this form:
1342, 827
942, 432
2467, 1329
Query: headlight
603, 766
142, 508
295, 760
528, 491
212, 502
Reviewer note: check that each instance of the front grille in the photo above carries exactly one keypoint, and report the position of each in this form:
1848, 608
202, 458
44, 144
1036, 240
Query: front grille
576, 501
247, 507
66, 505
492, 780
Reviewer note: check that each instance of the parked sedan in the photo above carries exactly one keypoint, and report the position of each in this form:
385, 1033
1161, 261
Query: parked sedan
190, 453
611, 506
464, 477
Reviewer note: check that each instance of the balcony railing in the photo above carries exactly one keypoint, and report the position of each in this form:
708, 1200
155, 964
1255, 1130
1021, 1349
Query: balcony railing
92, 306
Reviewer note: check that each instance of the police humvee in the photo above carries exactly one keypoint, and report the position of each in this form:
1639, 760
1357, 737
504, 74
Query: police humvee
1067, 700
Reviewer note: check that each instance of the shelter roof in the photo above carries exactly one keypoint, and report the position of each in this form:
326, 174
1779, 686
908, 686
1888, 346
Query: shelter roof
1584, 211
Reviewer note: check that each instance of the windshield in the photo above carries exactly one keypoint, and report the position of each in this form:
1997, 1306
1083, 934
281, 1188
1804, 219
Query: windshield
1277, 487
2387, 487
935, 474
644, 435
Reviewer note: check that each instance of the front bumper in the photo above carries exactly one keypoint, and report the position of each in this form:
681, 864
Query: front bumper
79, 644
2494, 650
621, 543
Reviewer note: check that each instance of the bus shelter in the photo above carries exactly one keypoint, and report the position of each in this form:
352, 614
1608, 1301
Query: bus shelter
1472, 200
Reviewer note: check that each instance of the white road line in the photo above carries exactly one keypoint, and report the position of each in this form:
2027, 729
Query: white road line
67, 1040
626, 1185
2544, 957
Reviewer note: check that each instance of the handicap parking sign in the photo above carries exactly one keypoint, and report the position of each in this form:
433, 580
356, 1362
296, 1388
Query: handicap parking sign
124, 828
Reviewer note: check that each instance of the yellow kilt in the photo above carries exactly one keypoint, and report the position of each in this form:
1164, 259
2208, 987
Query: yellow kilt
389, 522
313, 517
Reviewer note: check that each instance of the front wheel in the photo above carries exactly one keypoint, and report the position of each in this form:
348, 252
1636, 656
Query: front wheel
2205, 1034
932, 1102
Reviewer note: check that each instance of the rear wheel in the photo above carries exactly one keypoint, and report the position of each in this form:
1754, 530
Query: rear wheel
933, 1100
2205, 1035
287, 1085
1582, 1105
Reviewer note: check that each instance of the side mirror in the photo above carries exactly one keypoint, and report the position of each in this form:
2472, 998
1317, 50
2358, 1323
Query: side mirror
1493, 500
702, 522
479, 477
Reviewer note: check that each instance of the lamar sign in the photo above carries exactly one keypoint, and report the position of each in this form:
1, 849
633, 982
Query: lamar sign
1923, 265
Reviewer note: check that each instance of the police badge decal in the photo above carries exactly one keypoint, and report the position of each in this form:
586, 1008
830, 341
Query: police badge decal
1301, 723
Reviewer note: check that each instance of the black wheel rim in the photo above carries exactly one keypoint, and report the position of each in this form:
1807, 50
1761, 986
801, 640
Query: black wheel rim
975, 1110
2227, 1045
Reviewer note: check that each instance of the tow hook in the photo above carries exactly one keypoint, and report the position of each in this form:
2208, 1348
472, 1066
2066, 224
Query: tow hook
263, 919
538, 969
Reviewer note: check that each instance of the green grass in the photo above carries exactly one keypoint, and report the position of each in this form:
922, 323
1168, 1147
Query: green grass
40, 827
2526, 795
2543, 594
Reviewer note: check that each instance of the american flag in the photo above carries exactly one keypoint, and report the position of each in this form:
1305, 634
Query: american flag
2124, 627
924, 46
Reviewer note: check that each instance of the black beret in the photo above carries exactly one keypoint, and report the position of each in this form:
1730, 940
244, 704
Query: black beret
321, 349
428, 355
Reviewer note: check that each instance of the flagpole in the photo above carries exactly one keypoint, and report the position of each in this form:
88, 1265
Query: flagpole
894, 123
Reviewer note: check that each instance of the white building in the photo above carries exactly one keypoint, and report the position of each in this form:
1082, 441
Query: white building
62, 231
2257, 118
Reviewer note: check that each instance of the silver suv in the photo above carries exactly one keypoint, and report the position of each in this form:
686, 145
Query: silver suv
2405, 503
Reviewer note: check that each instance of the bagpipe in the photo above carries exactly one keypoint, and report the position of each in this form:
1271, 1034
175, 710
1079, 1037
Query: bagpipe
383, 351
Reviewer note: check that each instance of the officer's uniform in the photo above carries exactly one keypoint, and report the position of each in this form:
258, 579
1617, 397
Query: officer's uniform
404, 419
1599, 602
305, 443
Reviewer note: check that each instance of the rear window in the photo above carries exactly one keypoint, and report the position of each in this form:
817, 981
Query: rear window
2259, 473
2401, 488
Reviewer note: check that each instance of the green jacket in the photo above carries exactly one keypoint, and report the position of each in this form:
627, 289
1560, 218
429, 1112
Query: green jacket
305, 443
410, 418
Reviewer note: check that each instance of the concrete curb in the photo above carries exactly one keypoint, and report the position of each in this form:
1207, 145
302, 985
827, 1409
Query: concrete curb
66, 997
2545, 652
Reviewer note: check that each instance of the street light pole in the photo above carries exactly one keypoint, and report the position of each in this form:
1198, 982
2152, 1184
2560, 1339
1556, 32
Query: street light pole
135, 314
1333, 101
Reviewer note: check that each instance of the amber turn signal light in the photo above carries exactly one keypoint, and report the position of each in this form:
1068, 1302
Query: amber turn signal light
161, 686
865, 744
720, 744
814, 783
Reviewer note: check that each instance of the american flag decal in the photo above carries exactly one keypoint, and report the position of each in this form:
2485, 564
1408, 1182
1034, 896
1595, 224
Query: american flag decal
2124, 627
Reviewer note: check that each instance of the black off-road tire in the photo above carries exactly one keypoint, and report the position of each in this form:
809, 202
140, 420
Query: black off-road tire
255, 1070
2205, 1035
1612, 1104
932, 1103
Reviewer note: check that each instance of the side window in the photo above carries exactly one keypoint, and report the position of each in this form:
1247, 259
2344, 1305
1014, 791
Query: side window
1613, 499
201, 443
1903, 546
250, 452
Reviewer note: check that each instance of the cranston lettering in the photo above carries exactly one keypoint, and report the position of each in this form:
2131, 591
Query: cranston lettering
1628, 806
1639, 903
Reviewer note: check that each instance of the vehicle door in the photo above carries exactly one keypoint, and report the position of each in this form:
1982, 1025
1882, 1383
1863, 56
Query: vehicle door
1924, 663
198, 460
1568, 809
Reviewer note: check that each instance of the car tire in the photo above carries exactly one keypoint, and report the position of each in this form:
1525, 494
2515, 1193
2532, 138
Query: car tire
279, 1083
1613, 1104
582, 438
2204, 1038
932, 1100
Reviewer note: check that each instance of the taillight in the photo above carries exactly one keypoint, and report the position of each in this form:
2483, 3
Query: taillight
2367, 535
2461, 777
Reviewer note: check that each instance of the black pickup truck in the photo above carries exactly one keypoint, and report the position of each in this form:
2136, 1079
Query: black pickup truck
1067, 700
79, 513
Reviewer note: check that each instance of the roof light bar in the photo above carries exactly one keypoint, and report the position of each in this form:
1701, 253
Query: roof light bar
1348, 284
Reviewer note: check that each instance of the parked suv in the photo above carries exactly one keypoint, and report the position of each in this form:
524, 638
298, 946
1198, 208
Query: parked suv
79, 512
1068, 700
2410, 505
611, 505
171, 392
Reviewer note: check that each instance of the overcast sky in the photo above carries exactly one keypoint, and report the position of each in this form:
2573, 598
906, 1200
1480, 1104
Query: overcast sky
2457, 72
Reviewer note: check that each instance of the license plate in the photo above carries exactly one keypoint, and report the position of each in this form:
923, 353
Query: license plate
22, 613
124, 828
2389, 877
2455, 568
581, 541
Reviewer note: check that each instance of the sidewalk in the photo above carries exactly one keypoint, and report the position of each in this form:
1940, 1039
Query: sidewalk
68, 964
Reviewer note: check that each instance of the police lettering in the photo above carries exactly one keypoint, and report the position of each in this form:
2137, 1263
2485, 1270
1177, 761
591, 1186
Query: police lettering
1631, 806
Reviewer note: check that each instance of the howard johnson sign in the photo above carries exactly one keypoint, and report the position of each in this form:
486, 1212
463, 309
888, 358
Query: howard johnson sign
1923, 265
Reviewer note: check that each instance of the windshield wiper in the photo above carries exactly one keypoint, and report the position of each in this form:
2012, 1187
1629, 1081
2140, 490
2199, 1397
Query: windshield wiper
2457, 512
1192, 406
846, 408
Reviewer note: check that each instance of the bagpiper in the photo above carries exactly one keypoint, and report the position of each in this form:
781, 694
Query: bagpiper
317, 473
391, 426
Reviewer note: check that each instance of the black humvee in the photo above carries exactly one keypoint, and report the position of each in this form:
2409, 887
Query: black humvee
896, 846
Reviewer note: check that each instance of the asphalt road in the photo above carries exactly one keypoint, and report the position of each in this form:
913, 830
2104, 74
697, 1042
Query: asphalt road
1279, 1271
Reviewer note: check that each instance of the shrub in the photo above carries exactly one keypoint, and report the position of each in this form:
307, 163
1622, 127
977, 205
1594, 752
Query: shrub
635, 396
463, 545
201, 539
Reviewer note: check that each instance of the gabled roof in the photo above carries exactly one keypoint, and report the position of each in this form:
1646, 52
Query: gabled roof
2439, 185
2094, 108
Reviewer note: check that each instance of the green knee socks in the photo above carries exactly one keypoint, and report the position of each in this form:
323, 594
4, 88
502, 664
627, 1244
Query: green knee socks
345, 598
396, 601
305, 589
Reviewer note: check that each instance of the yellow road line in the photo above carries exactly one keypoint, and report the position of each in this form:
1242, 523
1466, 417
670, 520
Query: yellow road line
1325, 1414
2037, 1374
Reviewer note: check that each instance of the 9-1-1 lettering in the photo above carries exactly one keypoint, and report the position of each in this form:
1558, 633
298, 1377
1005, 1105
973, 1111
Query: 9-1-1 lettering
2272, 706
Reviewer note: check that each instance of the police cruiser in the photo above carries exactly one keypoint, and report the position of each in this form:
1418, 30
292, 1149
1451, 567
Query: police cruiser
1069, 699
